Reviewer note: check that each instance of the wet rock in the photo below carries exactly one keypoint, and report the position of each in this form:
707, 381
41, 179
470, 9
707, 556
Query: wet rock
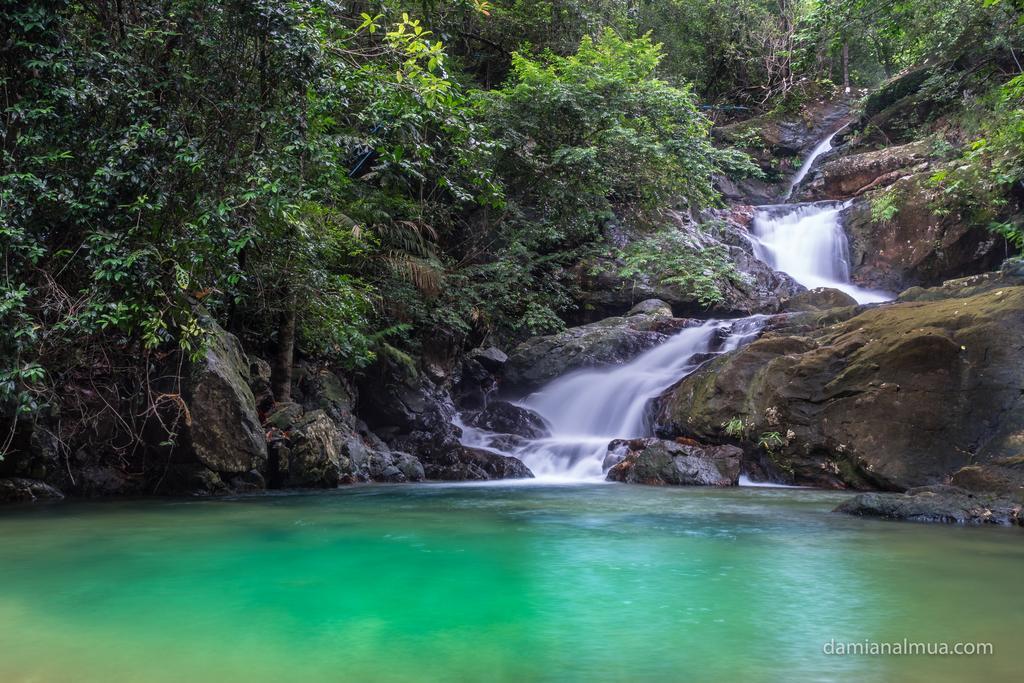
223, 432
890, 397
21, 490
506, 418
656, 462
476, 464
1003, 477
937, 505
820, 299
611, 341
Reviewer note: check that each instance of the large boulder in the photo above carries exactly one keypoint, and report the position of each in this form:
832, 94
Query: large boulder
476, 464
890, 397
937, 505
507, 418
656, 462
612, 341
852, 175
607, 289
222, 429
911, 242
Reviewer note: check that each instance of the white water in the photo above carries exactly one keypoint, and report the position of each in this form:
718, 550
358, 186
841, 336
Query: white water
588, 409
807, 242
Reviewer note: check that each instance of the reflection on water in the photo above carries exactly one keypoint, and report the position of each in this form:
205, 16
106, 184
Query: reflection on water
585, 582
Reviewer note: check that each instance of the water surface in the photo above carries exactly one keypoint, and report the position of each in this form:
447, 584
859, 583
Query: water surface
499, 583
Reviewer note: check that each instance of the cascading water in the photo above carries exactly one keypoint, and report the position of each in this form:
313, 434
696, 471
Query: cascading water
588, 409
807, 242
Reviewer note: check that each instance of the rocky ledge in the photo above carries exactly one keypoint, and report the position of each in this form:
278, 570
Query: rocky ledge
884, 397
937, 504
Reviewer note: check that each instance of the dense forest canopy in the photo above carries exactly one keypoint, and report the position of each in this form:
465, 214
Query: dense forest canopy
343, 179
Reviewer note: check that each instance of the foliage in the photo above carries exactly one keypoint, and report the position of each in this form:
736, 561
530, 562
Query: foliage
676, 258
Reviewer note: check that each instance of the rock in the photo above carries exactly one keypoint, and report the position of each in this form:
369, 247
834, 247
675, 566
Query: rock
1011, 274
756, 288
473, 385
476, 464
820, 299
492, 359
506, 418
410, 412
247, 482
852, 175
891, 397
916, 245
937, 505
1004, 477
309, 457
21, 490
223, 432
283, 415
655, 462
99, 481
651, 307
611, 341
323, 389
184, 479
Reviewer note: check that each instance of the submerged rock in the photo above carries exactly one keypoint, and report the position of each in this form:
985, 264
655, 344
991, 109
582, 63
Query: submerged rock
656, 462
937, 505
891, 397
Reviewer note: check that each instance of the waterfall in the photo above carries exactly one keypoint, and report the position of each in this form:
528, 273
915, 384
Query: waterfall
823, 147
807, 242
590, 408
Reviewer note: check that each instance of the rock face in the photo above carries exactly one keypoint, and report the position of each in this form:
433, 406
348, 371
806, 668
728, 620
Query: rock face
852, 175
505, 418
224, 433
655, 462
888, 397
778, 144
611, 341
937, 505
915, 246
414, 415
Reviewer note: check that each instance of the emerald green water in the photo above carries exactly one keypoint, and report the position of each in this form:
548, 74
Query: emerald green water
497, 583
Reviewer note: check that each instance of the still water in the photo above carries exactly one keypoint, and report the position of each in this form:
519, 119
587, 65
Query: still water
504, 582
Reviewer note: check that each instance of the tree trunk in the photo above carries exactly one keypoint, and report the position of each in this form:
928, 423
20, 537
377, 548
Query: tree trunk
846, 68
281, 373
